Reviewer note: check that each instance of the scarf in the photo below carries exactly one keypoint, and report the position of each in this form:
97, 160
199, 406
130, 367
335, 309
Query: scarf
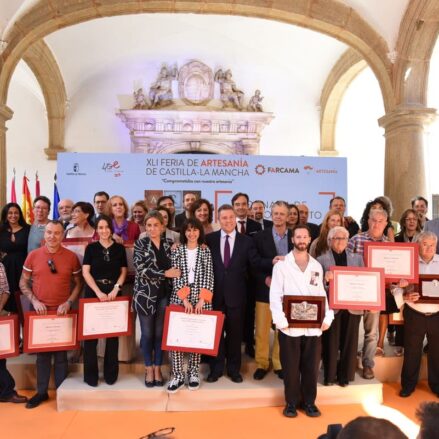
122, 230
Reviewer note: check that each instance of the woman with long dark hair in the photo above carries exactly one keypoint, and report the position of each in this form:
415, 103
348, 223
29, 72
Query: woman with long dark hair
14, 232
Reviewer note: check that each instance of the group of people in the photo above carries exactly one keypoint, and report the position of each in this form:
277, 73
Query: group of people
243, 265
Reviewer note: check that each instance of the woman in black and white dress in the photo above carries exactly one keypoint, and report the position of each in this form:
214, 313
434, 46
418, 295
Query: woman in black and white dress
193, 289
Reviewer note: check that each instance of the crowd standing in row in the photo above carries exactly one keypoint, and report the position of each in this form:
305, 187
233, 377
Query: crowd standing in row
242, 265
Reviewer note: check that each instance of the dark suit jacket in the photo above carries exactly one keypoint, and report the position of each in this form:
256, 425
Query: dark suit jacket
315, 230
180, 219
267, 224
230, 286
252, 227
266, 249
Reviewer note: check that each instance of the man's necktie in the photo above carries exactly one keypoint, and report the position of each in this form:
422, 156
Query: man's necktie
227, 252
242, 228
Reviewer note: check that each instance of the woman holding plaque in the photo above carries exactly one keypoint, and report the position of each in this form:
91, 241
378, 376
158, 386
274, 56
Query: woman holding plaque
193, 290
340, 342
104, 270
152, 262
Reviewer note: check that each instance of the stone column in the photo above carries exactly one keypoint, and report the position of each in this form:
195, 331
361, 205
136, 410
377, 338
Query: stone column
5, 114
404, 173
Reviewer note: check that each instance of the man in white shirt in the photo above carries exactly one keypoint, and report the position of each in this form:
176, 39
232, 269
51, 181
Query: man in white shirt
420, 320
300, 348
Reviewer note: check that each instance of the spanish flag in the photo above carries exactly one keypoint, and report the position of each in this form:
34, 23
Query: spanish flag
26, 202
13, 194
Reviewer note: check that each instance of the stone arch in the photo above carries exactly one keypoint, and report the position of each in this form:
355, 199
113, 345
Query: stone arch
45, 68
417, 37
326, 16
349, 65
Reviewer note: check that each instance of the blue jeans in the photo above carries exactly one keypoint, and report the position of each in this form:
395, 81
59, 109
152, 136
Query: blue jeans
151, 327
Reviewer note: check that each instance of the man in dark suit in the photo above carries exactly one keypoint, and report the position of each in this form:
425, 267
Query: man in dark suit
303, 219
244, 224
249, 227
232, 254
188, 199
272, 245
258, 209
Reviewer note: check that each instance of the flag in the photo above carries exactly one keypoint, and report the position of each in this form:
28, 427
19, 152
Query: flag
13, 193
37, 185
55, 200
26, 202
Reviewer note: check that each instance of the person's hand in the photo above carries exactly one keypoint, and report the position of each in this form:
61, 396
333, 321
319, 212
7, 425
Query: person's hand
39, 307
102, 296
173, 272
411, 297
324, 327
113, 294
174, 246
117, 238
276, 259
188, 308
403, 283
268, 281
63, 309
199, 306
329, 275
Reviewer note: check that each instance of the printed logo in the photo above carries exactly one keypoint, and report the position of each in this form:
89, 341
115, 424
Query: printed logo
260, 169
113, 168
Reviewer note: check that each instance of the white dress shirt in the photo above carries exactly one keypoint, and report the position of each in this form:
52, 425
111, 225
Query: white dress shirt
431, 268
289, 279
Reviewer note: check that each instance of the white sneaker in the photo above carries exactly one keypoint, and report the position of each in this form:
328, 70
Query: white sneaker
194, 383
175, 385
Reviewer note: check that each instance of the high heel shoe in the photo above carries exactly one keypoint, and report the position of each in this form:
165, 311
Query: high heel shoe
148, 383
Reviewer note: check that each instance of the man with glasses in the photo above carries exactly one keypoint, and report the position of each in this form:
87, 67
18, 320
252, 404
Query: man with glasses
100, 201
47, 282
41, 210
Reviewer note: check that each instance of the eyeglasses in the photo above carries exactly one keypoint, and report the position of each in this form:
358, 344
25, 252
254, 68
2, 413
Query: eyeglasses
106, 253
52, 267
340, 239
159, 433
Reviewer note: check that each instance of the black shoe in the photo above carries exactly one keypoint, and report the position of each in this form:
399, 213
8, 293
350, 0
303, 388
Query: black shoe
250, 350
36, 400
328, 383
149, 384
259, 374
92, 383
343, 383
213, 378
404, 393
159, 383
175, 385
236, 378
279, 373
290, 411
311, 410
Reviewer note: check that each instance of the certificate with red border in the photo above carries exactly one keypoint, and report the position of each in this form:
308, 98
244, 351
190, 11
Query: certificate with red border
400, 260
104, 319
9, 334
77, 246
50, 332
357, 288
198, 333
304, 311
428, 288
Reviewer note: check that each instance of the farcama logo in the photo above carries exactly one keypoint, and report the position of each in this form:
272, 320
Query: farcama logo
260, 170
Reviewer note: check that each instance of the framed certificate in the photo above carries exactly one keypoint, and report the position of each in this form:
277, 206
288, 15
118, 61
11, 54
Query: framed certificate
199, 333
357, 288
304, 311
50, 332
396, 318
428, 288
9, 334
104, 319
77, 246
399, 259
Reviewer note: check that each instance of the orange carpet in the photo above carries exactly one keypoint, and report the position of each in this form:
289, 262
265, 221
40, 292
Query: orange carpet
46, 423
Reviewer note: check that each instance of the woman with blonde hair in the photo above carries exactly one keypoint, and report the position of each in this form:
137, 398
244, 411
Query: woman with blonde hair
138, 214
320, 245
124, 229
